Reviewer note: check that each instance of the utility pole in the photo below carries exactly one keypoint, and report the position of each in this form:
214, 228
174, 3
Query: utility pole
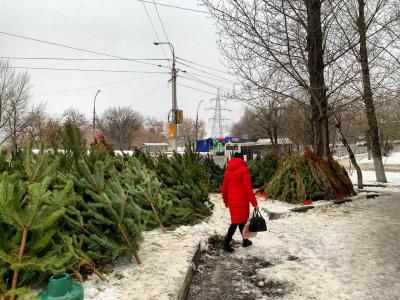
197, 119
94, 113
174, 102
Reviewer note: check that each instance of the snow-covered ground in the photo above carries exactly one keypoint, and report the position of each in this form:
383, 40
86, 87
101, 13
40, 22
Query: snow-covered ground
392, 159
391, 162
165, 257
369, 177
345, 252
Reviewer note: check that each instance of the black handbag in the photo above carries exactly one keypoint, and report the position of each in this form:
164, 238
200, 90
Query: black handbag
257, 222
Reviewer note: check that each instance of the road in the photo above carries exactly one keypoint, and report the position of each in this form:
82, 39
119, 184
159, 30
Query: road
347, 252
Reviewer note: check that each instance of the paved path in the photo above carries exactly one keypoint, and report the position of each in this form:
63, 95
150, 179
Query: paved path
347, 252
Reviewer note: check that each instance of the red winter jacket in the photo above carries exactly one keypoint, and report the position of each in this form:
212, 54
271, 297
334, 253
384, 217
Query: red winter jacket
237, 191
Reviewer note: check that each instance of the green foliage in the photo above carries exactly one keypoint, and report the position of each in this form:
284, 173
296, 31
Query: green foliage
78, 210
185, 185
262, 169
216, 174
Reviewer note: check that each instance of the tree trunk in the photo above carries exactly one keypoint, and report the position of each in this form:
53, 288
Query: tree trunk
316, 67
369, 145
20, 255
352, 158
368, 96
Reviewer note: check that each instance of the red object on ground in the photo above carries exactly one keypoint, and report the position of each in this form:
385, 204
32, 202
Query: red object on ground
237, 191
263, 196
307, 202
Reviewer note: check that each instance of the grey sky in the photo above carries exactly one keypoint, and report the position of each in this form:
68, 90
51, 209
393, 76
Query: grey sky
119, 28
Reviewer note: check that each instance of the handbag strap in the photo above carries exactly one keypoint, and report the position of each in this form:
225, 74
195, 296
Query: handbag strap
256, 213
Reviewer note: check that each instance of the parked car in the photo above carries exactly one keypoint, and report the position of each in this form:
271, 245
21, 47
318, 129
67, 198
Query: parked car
396, 142
361, 143
339, 145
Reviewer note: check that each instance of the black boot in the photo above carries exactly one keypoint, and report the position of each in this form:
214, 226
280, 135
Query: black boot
247, 243
227, 245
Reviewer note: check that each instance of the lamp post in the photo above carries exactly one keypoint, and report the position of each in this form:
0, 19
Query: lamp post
197, 119
94, 112
174, 102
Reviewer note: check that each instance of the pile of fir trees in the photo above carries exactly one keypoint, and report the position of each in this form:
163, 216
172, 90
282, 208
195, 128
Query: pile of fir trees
262, 169
215, 172
78, 210
184, 178
309, 177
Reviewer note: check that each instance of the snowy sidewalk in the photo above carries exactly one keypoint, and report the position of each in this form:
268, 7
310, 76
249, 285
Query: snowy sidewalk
346, 252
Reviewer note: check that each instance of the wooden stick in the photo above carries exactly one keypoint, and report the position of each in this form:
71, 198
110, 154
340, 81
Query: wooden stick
101, 276
137, 258
20, 254
135, 255
95, 271
78, 275
157, 217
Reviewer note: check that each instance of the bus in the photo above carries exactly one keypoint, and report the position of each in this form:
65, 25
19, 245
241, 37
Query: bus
156, 148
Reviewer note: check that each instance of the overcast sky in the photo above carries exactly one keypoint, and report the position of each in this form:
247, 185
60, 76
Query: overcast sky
119, 28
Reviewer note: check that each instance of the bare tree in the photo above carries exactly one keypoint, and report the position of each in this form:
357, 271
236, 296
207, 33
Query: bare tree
120, 125
188, 130
259, 123
78, 119
36, 127
370, 25
18, 109
14, 103
353, 160
155, 131
280, 47
152, 131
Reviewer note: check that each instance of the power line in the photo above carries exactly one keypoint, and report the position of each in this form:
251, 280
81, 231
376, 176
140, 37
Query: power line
96, 85
205, 72
212, 78
192, 88
88, 70
197, 80
80, 59
150, 93
76, 48
203, 91
162, 24
154, 29
204, 66
177, 7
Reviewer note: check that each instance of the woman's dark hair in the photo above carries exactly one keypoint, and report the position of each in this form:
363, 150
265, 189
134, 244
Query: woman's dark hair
238, 155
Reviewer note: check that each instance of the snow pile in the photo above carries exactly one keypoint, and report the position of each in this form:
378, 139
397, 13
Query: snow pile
275, 206
392, 159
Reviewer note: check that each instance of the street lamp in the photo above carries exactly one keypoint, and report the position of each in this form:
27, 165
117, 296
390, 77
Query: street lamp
197, 119
174, 102
94, 112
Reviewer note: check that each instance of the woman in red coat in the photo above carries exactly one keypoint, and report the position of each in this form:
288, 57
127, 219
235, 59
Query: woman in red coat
237, 193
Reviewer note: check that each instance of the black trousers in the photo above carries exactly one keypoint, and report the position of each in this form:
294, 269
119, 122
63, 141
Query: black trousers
232, 229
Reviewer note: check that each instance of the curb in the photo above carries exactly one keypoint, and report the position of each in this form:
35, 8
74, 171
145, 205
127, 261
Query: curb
304, 208
187, 281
